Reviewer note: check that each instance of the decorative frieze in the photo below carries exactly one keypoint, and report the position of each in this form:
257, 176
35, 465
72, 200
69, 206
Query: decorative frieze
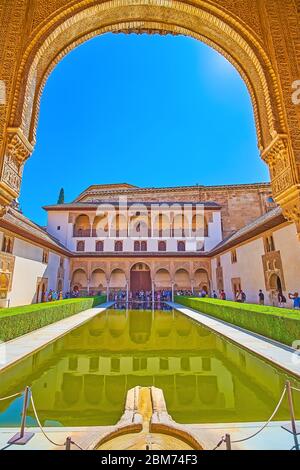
273, 271
18, 149
278, 158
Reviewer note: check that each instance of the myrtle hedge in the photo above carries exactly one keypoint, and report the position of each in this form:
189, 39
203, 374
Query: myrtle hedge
279, 324
18, 321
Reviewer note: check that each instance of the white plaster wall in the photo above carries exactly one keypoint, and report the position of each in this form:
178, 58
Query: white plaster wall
28, 268
249, 269
59, 219
26, 250
65, 236
214, 232
286, 241
52, 270
26, 273
67, 281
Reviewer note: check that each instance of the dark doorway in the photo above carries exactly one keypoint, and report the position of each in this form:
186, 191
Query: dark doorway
140, 278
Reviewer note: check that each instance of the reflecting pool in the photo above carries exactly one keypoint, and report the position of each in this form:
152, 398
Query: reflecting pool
82, 378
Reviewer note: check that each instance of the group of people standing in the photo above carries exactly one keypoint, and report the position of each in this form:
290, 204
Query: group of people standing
240, 296
278, 299
52, 295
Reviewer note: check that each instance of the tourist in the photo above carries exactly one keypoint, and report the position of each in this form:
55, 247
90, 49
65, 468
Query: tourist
281, 299
214, 295
223, 295
54, 295
238, 296
261, 297
203, 293
243, 296
295, 297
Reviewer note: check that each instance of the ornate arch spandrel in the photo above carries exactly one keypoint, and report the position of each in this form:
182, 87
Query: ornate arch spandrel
57, 28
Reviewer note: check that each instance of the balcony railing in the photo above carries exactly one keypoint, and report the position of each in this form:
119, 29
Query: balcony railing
81, 233
124, 233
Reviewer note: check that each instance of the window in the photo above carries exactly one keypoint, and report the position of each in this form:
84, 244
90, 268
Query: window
61, 263
233, 257
162, 246
218, 262
181, 246
137, 246
58, 227
99, 245
45, 257
143, 246
206, 229
269, 244
80, 246
118, 246
7, 244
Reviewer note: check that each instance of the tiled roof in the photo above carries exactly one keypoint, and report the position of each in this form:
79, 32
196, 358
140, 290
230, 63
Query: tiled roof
17, 219
100, 189
258, 225
96, 204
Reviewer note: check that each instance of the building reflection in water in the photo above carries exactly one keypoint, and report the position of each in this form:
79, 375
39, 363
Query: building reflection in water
82, 379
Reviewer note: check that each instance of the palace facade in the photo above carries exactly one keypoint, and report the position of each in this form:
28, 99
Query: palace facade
120, 237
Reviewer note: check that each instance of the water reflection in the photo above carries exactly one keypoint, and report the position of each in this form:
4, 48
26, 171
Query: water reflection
82, 379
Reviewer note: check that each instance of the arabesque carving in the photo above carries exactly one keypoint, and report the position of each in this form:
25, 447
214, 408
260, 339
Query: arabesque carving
261, 39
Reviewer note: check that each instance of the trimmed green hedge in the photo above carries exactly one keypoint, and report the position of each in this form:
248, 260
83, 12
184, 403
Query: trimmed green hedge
282, 325
18, 321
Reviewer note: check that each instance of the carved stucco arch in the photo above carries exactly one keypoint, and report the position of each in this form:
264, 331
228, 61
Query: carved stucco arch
206, 22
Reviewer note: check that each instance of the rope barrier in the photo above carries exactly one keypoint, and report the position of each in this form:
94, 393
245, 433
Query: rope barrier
267, 423
219, 444
11, 396
260, 430
43, 432
296, 389
40, 426
76, 445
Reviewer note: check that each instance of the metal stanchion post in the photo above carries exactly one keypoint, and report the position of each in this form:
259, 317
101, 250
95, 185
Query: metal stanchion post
228, 441
23, 437
292, 428
68, 443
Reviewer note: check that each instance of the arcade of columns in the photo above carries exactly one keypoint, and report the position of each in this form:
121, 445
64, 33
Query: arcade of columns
260, 37
110, 275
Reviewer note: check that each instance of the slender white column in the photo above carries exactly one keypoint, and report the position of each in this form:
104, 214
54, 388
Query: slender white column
107, 290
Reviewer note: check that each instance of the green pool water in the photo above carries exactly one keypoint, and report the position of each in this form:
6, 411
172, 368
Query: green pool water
82, 378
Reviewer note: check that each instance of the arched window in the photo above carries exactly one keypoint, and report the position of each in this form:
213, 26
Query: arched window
99, 245
80, 246
82, 226
181, 246
206, 230
143, 246
137, 246
118, 246
45, 257
162, 246
269, 244
7, 244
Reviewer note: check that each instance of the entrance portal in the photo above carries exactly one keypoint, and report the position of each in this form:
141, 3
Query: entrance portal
140, 278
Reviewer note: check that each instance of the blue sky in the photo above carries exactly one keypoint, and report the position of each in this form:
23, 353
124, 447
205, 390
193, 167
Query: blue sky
146, 110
